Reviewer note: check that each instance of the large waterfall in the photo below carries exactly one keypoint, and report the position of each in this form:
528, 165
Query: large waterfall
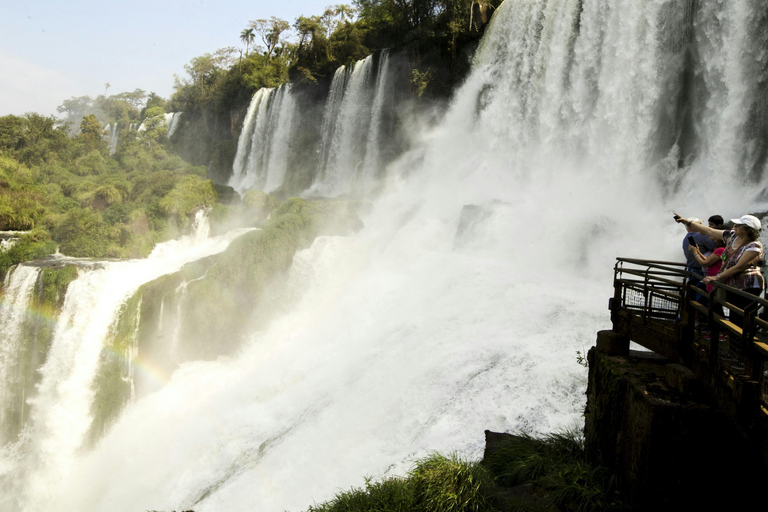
485, 264
349, 147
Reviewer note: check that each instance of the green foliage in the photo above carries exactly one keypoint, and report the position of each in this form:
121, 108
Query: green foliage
113, 389
189, 193
450, 484
389, 494
557, 466
83, 233
33, 139
436, 484
90, 164
155, 129
53, 287
122, 108
36, 244
554, 469
92, 133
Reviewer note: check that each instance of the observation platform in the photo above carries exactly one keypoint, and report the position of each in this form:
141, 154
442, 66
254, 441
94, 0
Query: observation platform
683, 423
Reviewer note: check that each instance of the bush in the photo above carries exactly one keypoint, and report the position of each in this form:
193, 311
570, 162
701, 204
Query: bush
83, 233
450, 484
558, 468
36, 244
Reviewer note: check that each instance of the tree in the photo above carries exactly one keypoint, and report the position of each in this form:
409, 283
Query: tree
247, 37
91, 132
270, 31
155, 128
344, 12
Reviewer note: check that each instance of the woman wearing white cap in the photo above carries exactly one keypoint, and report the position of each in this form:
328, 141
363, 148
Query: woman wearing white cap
740, 260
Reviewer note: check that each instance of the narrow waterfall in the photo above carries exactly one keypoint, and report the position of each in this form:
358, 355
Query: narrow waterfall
172, 121
332, 110
351, 127
112, 133
264, 145
382, 100
14, 312
482, 269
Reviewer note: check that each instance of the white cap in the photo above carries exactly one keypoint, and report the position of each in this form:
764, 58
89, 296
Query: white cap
748, 220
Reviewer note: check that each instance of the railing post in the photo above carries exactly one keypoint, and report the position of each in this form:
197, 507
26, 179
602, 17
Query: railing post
749, 329
687, 323
646, 296
714, 331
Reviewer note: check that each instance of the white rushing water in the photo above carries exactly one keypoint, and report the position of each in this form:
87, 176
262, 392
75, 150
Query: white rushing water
263, 148
17, 294
351, 143
61, 409
481, 271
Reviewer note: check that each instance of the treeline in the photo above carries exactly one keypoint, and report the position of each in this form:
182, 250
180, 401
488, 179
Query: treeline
435, 31
438, 36
69, 191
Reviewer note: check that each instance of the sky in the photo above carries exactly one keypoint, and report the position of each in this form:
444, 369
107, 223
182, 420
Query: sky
53, 50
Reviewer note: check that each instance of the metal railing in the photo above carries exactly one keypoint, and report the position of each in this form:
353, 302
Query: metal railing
658, 304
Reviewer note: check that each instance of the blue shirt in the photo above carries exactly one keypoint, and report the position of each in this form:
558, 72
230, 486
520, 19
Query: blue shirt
705, 243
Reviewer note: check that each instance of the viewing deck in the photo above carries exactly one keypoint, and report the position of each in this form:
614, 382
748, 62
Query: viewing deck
655, 305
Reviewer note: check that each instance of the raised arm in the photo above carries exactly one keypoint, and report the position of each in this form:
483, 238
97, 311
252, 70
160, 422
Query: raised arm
717, 234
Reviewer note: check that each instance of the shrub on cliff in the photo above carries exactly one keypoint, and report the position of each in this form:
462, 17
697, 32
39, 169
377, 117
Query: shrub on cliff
436, 484
36, 244
189, 193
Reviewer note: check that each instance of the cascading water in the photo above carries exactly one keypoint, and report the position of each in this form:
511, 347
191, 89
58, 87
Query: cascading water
264, 145
112, 133
351, 128
172, 121
480, 272
61, 409
17, 294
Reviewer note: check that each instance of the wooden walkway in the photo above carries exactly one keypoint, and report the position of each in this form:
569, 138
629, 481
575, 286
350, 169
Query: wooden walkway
654, 305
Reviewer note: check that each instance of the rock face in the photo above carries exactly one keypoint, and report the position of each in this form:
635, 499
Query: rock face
670, 448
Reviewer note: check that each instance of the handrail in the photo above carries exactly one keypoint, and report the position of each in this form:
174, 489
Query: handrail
653, 291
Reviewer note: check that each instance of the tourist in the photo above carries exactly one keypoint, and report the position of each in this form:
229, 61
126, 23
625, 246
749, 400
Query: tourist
740, 258
716, 222
705, 245
712, 265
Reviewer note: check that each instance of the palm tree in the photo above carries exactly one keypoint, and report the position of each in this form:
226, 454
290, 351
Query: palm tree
247, 37
344, 11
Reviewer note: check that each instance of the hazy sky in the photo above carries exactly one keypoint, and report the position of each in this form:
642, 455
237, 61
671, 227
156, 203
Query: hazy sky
52, 50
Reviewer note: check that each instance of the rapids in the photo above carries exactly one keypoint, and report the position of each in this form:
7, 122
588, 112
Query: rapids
485, 264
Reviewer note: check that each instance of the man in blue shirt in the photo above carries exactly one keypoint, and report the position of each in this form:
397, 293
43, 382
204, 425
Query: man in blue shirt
706, 246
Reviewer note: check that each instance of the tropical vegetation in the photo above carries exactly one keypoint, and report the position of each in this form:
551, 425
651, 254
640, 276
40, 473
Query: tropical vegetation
520, 473
69, 191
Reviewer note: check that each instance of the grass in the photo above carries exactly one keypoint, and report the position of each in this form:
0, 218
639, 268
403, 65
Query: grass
520, 473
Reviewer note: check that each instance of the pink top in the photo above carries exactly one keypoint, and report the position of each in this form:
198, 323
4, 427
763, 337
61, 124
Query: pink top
714, 268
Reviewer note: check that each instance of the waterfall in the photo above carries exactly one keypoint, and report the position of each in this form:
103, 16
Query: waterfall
15, 309
382, 93
172, 121
351, 127
112, 133
61, 410
484, 265
264, 145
